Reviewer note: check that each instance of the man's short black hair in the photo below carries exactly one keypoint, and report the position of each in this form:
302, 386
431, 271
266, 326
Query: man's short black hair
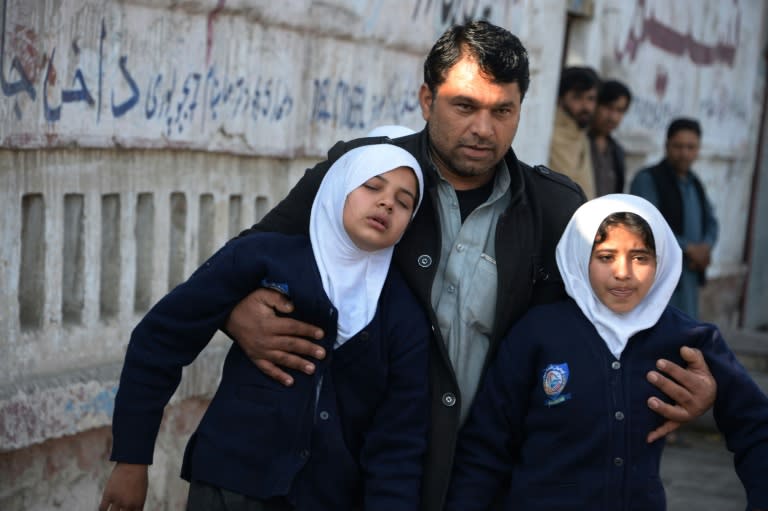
611, 90
683, 124
498, 52
577, 78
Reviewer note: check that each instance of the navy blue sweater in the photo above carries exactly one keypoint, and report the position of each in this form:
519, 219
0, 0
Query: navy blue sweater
360, 443
559, 423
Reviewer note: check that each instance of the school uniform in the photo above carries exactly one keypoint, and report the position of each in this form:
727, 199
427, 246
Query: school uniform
561, 419
350, 436
572, 419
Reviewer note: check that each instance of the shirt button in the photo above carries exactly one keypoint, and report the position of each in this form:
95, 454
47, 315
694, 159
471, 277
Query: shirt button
449, 399
616, 364
304, 453
459, 247
451, 288
618, 462
619, 416
324, 415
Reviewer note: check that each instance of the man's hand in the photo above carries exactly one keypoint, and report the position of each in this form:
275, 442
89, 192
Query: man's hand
126, 488
270, 341
699, 256
692, 389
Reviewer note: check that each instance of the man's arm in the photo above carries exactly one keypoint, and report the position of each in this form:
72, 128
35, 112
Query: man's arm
273, 342
693, 390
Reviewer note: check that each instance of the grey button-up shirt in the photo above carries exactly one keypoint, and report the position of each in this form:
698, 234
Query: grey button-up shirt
464, 289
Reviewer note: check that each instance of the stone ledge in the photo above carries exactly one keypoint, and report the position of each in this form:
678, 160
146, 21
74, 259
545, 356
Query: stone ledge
37, 409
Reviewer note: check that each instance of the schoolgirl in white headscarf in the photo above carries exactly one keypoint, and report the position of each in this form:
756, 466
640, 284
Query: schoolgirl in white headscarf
562, 423
352, 277
573, 256
363, 442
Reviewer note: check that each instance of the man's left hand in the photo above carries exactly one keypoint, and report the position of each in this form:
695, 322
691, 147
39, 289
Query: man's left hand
693, 389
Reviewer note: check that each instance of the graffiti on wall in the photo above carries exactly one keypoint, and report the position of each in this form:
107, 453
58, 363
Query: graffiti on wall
676, 38
451, 12
351, 106
681, 59
170, 98
442, 14
85, 86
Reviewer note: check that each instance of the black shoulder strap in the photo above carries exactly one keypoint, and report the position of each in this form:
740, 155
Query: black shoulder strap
557, 177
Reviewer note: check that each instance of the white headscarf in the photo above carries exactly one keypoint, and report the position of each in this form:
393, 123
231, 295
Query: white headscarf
353, 278
573, 254
390, 130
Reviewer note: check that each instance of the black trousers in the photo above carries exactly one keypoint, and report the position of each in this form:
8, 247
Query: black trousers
204, 497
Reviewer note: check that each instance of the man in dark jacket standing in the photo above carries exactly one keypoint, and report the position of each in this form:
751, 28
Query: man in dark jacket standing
674, 188
478, 254
608, 160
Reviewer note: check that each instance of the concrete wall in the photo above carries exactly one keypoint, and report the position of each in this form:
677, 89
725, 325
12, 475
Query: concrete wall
697, 58
136, 137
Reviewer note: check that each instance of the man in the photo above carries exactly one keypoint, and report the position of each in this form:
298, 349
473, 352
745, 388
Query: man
608, 162
569, 151
674, 188
478, 254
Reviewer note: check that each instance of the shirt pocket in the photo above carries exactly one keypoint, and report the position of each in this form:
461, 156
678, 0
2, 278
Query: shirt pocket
478, 299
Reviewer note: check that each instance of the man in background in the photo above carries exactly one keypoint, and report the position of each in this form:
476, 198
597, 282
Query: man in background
569, 151
608, 163
674, 188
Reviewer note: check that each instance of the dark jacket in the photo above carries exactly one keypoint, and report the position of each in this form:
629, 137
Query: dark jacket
359, 444
566, 423
671, 201
619, 163
542, 202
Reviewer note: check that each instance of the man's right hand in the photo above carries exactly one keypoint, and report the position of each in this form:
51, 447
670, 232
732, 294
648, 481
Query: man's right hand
272, 342
699, 255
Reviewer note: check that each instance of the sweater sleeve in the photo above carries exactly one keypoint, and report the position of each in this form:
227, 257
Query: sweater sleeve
741, 414
394, 446
489, 443
170, 336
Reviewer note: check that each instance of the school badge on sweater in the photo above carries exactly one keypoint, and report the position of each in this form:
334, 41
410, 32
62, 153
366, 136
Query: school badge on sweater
554, 379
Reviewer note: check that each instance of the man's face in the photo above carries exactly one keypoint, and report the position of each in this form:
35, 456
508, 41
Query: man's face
472, 122
682, 150
580, 105
608, 116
